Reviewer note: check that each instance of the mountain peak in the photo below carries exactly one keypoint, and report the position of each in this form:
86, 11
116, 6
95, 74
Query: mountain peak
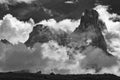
89, 19
91, 28
43, 34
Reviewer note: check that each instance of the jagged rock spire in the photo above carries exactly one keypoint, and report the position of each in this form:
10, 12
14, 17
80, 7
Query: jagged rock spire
91, 28
43, 34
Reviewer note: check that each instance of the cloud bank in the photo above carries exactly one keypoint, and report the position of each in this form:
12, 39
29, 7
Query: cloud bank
19, 57
50, 57
66, 25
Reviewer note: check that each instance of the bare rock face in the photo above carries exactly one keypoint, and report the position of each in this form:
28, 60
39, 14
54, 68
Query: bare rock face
5, 41
43, 34
90, 30
90, 21
39, 34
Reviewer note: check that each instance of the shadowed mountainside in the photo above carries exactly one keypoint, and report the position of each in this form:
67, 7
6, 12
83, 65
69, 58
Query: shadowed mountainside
44, 34
91, 29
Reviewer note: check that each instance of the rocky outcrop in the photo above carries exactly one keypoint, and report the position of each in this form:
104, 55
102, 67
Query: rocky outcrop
39, 34
43, 34
90, 30
5, 41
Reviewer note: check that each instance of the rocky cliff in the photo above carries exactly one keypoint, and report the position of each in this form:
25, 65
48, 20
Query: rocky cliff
90, 30
43, 34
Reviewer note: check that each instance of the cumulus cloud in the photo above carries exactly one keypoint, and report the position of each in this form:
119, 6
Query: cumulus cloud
51, 57
4, 1
59, 58
42, 57
19, 57
112, 70
15, 1
66, 25
13, 30
69, 59
52, 50
105, 16
26, 1
97, 59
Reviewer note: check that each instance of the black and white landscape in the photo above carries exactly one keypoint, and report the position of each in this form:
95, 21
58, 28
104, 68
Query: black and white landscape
52, 39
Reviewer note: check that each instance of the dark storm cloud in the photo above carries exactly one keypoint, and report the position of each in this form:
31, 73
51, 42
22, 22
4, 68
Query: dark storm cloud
59, 9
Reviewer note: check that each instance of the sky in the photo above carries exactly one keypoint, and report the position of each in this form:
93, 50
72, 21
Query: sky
18, 22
